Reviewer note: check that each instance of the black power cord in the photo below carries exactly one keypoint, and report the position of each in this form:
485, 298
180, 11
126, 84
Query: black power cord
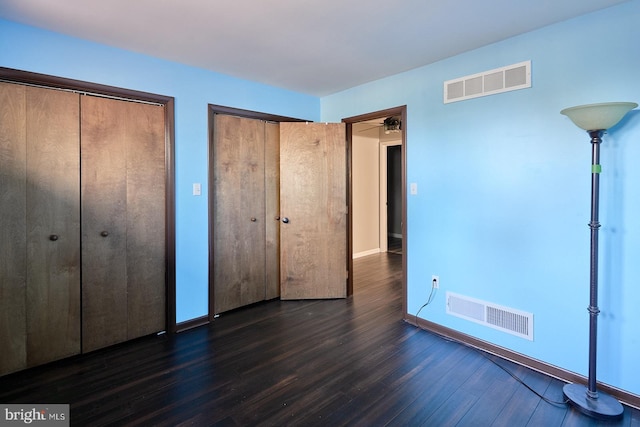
515, 377
486, 356
432, 295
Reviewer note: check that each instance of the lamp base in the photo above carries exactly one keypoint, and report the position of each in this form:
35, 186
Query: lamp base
605, 407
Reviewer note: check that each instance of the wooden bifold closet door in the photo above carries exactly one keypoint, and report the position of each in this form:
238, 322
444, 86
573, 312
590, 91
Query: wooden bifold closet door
82, 241
279, 207
123, 221
40, 232
245, 232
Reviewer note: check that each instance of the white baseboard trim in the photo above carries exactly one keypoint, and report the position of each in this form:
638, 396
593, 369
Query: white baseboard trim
365, 253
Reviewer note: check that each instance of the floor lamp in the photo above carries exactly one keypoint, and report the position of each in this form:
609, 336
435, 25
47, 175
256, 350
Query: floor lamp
595, 119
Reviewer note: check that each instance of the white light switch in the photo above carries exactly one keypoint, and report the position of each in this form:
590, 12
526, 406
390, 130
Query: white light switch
413, 188
197, 189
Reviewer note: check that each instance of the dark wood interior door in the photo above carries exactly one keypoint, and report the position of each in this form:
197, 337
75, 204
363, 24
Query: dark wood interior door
313, 205
238, 212
123, 221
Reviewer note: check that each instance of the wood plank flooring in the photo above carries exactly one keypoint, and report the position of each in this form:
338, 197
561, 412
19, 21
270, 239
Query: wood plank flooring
301, 363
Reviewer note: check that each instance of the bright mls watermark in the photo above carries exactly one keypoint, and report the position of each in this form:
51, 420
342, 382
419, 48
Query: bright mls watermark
34, 414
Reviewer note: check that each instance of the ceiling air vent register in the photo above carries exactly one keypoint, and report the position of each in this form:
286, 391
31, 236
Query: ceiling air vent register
498, 80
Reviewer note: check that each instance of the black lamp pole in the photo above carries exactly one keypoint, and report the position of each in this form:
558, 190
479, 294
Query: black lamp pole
594, 225
589, 401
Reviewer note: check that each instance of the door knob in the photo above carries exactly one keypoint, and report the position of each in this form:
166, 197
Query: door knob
53, 237
253, 219
104, 233
285, 220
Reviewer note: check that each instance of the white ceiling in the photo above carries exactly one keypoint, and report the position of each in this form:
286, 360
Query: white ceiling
316, 47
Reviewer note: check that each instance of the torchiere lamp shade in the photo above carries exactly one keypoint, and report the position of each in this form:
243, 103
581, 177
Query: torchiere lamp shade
598, 116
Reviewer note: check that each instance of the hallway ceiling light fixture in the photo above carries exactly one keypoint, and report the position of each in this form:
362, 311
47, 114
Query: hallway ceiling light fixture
391, 125
595, 119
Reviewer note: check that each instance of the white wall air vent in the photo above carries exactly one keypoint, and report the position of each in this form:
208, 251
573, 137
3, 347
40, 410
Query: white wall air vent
504, 79
516, 322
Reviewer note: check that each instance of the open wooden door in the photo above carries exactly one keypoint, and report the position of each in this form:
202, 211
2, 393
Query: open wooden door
313, 208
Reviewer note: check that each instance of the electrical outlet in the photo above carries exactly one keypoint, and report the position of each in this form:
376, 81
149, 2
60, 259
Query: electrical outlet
435, 282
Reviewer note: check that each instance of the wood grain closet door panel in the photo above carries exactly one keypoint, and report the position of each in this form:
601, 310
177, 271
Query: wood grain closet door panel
272, 207
146, 189
313, 198
239, 209
104, 218
123, 221
13, 211
53, 225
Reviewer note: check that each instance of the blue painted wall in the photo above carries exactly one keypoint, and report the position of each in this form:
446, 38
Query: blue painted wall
31, 49
504, 189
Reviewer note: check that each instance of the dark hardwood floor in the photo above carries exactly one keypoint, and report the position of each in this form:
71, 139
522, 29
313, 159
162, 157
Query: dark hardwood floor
304, 363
